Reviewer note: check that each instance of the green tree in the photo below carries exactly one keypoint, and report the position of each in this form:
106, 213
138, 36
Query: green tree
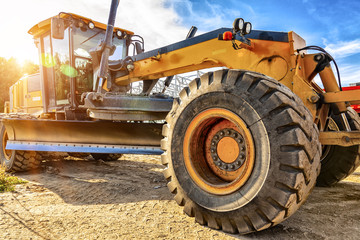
29, 68
10, 72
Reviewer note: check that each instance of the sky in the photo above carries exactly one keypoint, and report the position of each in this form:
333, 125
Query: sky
332, 24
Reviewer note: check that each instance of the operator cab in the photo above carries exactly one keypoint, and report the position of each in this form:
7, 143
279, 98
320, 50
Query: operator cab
72, 54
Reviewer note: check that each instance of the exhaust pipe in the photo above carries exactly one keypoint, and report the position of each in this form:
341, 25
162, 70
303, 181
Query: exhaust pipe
107, 45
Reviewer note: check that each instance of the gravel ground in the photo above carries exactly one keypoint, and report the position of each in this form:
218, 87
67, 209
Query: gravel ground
128, 199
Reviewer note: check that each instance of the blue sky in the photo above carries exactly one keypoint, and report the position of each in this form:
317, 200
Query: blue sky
317, 20
331, 24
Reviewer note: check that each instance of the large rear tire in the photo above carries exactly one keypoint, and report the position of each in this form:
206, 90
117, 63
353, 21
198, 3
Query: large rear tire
241, 151
338, 162
17, 161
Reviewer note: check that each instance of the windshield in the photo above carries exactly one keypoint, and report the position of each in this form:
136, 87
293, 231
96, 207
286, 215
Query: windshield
85, 41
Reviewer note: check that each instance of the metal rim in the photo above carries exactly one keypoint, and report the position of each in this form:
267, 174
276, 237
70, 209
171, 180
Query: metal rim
219, 151
7, 153
331, 126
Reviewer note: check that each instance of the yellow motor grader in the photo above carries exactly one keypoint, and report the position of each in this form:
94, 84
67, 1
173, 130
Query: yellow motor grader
242, 146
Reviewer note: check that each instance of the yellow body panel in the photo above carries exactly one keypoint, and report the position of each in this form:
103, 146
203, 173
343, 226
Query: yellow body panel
215, 53
24, 100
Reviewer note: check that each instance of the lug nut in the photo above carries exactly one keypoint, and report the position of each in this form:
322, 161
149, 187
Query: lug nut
130, 67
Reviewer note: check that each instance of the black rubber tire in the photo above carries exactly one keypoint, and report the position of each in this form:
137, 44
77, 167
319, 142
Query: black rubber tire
78, 154
18, 161
339, 162
106, 157
50, 156
286, 144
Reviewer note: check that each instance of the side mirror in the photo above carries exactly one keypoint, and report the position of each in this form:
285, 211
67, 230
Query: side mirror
57, 28
138, 48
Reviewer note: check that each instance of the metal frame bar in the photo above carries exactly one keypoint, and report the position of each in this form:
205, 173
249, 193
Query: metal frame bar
178, 83
341, 138
351, 96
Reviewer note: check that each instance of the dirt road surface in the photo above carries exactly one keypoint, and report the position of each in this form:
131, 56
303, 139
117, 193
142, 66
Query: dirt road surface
128, 199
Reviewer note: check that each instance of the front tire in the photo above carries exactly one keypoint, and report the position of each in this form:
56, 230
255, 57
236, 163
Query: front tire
241, 151
13, 160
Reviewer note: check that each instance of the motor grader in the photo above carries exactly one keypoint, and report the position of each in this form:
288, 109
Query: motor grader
242, 146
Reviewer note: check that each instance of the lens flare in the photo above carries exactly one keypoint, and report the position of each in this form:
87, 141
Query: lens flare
47, 60
68, 70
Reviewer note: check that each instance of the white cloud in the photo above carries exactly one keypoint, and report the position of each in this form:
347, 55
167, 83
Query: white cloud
207, 20
343, 49
210, 15
151, 19
158, 25
350, 74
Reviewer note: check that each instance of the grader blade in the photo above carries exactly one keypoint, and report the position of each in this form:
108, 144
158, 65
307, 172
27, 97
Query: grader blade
83, 136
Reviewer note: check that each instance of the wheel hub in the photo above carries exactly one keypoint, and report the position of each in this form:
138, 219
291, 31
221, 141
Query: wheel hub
218, 151
228, 149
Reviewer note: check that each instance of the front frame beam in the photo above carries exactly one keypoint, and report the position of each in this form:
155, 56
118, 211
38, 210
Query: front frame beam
340, 138
351, 96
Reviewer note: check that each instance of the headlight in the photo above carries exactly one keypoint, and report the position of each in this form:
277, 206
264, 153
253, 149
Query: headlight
238, 24
247, 28
91, 25
119, 33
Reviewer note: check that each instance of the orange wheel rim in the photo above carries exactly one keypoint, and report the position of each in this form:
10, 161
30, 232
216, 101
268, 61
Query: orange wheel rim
7, 153
219, 151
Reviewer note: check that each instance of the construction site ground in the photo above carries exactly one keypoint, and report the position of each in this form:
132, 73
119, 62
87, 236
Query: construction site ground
128, 199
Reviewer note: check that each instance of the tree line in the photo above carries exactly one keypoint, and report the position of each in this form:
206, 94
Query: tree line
10, 72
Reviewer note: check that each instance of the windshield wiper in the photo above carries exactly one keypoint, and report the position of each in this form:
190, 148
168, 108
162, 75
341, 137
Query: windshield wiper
90, 38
